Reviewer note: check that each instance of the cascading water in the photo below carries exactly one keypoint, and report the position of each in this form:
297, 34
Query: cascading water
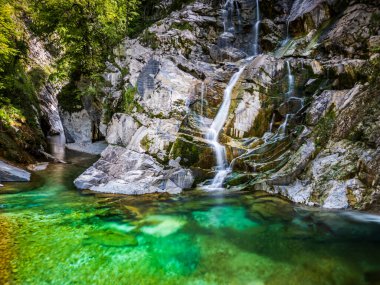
256, 30
228, 9
212, 135
290, 80
271, 123
213, 132
282, 128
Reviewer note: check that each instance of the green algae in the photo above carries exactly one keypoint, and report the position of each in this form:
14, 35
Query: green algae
63, 237
111, 238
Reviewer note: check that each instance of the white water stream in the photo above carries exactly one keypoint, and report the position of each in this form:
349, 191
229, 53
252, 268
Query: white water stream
213, 132
257, 26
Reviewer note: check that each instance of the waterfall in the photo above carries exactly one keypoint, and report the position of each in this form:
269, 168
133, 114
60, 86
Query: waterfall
214, 130
290, 80
282, 128
227, 17
238, 13
256, 30
271, 123
212, 135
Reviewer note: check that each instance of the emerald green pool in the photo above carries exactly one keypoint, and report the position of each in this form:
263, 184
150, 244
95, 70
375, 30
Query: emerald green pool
62, 236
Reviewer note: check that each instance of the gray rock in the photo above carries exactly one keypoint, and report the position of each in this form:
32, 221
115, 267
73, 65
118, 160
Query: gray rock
124, 171
298, 191
77, 126
337, 198
38, 166
9, 173
49, 108
295, 166
86, 147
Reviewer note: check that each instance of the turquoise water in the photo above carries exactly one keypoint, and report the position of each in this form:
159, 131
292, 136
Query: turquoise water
62, 236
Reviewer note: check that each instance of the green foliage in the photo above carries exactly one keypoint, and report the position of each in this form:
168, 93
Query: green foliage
182, 26
87, 30
149, 39
8, 35
69, 98
9, 115
374, 22
186, 149
129, 102
324, 128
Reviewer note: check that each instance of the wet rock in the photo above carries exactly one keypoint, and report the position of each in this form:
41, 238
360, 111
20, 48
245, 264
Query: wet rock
295, 166
9, 173
291, 106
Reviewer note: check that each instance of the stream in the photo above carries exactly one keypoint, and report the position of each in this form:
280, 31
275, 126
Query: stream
62, 236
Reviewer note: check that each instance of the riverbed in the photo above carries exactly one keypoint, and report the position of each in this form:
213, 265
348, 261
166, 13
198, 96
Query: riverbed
58, 235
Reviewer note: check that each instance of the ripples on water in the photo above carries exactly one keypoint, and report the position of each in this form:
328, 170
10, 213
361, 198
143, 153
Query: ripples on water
66, 237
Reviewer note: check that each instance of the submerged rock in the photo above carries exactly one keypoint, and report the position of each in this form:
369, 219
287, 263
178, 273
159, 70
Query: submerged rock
163, 225
9, 173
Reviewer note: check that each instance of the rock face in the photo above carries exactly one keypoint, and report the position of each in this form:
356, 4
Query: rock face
77, 126
9, 173
41, 59
124, 171
304, 115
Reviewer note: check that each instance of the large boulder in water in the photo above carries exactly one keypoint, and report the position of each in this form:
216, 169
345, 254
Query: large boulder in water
124, 171
9, 173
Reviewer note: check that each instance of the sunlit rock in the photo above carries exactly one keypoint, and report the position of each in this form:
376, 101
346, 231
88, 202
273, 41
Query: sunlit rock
122, 171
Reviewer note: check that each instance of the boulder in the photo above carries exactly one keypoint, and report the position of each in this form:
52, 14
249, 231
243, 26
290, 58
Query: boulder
77, 126
123, 171
9, 173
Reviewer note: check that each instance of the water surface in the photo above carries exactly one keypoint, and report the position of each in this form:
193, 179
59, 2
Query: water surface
62, 236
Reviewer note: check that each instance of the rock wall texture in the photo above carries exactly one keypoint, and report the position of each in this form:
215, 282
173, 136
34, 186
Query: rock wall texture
304, 117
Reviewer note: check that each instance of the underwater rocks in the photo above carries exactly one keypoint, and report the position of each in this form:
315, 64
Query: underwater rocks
9, 173
123, 171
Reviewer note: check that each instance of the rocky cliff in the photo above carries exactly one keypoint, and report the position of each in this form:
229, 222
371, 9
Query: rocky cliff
304, 115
